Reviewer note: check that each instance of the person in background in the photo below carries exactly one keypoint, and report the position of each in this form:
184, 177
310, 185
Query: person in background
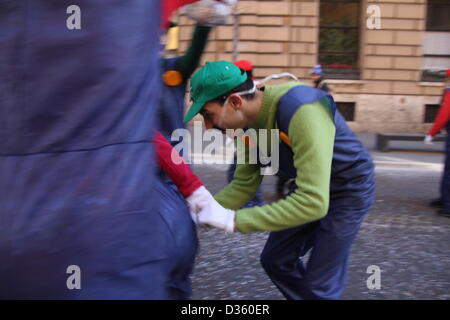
176, 72
443, 120
168, 7
317, 76
177, 188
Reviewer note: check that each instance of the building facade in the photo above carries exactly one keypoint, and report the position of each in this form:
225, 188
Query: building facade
384, 59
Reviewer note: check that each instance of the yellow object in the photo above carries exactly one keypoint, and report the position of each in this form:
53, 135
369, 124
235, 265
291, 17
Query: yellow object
172, 78
172, 38
284, 137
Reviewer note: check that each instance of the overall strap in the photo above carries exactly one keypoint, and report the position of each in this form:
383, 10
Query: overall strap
288, 104
293, 99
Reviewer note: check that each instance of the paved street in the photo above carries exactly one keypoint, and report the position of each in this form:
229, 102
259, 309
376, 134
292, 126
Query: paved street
401, 235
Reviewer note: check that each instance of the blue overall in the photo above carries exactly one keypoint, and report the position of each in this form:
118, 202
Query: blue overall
77, 168
445, 182
183, 242
351, 195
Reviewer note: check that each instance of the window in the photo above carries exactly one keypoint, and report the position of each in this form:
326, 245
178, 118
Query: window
431, 111
438, 15
347, 109
339, 38
436, 47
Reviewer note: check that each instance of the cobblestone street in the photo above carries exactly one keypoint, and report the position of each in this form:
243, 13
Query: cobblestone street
401, 235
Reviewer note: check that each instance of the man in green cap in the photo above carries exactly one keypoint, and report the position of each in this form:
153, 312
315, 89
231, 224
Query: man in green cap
333, 173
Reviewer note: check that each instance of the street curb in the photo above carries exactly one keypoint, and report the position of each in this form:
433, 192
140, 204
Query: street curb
425, 165
409, 164
200, 159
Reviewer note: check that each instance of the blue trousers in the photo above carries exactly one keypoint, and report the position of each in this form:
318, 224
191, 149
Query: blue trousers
445, 182
183, 242
324, 275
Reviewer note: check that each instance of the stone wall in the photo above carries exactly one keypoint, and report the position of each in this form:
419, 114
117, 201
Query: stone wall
279, 36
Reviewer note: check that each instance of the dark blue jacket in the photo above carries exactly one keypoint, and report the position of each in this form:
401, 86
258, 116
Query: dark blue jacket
352, 172
76, 165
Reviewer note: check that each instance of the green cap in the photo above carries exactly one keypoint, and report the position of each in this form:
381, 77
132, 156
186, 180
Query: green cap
211, 81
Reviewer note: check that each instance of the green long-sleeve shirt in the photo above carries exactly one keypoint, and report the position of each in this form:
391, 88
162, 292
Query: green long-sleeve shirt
311, 134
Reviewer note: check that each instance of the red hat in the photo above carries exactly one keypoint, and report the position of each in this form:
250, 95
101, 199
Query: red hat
244, 65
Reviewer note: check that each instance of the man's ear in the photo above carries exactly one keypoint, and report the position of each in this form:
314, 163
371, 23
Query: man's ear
235, 101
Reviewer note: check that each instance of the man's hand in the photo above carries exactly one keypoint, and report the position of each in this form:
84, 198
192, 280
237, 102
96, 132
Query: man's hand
428, 140
197, 200
215, 215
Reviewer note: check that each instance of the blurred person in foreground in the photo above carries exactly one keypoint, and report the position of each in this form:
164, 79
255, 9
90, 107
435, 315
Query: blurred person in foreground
79, 86
443, 120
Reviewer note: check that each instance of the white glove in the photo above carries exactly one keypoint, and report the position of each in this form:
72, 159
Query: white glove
210, 12
217, 216
428, 140
197, 200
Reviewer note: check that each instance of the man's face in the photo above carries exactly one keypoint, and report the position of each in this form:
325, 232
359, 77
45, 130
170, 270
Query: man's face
226, 116
315, 76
